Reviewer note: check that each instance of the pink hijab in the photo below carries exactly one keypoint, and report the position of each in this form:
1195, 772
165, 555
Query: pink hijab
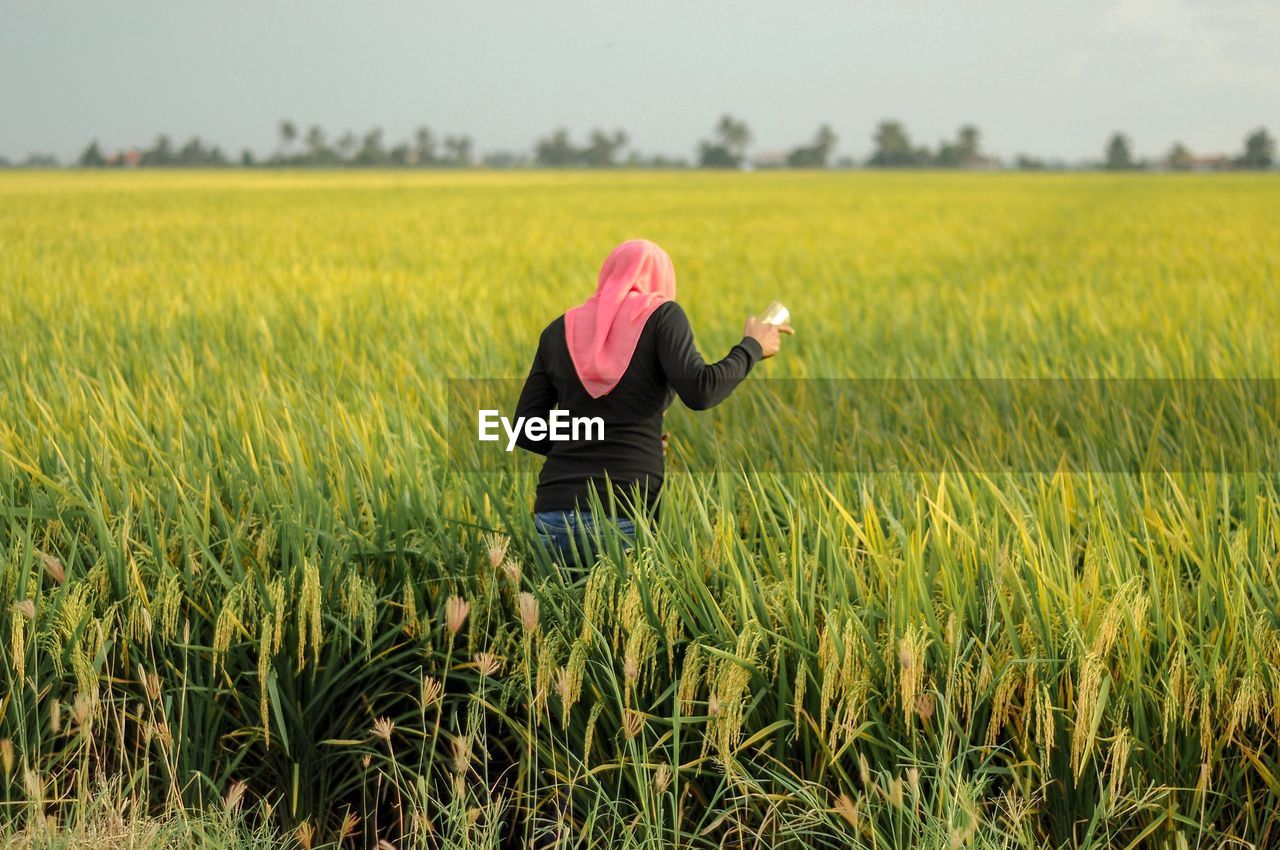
602, 333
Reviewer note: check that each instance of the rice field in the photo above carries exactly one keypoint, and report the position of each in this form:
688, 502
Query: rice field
242, 586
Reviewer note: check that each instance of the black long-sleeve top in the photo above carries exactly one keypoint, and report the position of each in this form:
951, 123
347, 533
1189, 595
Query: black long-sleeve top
665, 364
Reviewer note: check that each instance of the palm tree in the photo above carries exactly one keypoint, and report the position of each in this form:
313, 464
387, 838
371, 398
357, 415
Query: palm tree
371, 150
1119, 153
424, 146
288, 132
824, 143
315, 142
458, 150
1259, 150
893, 146
347, 144
734, 135
1179, 157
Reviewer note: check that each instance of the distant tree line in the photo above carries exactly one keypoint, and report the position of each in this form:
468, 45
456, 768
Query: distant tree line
726, 148
893, 149
1259, 154
311, 150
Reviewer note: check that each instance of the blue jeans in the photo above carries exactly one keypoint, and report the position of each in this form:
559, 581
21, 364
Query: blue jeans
573, 538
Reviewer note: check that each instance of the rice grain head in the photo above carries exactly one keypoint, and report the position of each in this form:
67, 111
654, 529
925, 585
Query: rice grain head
911, 668
1118, 763
309, 614
1088, 691
569, 678
409, 605
512, 569
690, 677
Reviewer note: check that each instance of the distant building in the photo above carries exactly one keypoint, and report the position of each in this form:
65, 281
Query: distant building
982, 162
770, 159
125, 159
1211, 162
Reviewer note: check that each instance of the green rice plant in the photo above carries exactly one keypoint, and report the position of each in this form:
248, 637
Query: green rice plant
237, 563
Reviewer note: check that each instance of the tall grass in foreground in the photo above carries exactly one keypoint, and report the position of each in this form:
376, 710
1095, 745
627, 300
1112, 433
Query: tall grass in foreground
109, 819
984, 668
237, 577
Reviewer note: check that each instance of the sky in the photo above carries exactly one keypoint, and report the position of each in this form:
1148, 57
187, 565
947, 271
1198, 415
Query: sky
1053, 79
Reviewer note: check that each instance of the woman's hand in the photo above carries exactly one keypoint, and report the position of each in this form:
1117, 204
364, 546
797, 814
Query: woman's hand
769, 336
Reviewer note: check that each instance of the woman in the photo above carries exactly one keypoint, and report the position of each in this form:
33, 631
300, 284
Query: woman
622, 356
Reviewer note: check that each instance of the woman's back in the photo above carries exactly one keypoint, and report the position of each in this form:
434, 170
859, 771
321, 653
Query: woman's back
629, 454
